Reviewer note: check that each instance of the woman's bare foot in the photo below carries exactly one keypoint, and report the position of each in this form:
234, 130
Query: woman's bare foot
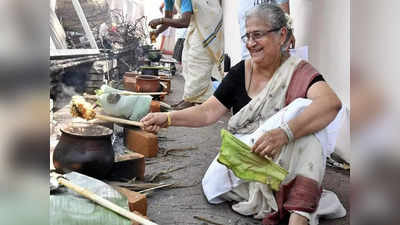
296, 219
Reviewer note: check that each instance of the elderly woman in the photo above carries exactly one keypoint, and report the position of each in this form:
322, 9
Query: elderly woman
256, 89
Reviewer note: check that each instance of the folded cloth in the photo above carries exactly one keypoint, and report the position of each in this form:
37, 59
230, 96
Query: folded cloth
247, 165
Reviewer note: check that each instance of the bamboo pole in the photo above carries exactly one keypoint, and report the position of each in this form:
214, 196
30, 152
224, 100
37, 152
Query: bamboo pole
118, 120
104, 202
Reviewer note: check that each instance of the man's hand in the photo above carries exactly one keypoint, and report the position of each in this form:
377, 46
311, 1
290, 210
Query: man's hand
155, 22
153, 36
270, 144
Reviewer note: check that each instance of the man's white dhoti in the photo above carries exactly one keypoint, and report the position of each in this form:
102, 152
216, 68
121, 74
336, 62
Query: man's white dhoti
203, 50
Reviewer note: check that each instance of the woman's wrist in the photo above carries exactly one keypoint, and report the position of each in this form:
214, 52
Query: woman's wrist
285, 127
169, 119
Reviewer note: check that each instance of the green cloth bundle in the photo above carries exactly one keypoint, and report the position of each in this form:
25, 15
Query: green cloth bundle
67, 207
246, 165
132, 107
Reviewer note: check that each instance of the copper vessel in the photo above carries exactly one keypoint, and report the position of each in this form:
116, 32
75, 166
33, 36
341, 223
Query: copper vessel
130, 81
148, 83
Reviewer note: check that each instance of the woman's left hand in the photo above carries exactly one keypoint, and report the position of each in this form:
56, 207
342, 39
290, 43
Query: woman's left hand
270, 144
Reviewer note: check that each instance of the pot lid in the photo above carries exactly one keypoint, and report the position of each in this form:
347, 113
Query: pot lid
86, 130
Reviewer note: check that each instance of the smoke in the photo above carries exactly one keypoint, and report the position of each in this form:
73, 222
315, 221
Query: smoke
65, 96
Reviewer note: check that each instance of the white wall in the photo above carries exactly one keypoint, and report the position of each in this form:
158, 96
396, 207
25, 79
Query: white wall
301, 13
330, 44
232, 30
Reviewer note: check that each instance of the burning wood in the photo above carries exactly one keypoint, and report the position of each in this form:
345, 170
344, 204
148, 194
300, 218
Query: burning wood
81, 108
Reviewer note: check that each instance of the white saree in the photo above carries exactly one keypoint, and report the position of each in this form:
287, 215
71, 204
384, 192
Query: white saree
305, 156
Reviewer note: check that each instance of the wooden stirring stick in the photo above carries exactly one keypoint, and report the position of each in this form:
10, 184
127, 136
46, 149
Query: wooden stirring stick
118, 120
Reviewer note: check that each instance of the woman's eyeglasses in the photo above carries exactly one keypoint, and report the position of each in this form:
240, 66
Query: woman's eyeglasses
257, 35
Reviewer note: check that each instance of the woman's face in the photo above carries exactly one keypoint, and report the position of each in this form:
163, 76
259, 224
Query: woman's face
263, 46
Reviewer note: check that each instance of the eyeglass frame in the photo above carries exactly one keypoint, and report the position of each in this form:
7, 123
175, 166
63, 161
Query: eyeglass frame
246, 37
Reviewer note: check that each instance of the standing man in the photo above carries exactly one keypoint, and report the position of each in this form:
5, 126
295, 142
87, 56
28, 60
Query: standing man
245, 5
203, 47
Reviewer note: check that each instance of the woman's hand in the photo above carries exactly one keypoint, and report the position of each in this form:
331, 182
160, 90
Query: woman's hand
155, 22
270, 144
153, 122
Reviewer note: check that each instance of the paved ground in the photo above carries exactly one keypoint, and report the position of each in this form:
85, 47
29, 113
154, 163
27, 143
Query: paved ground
179, 206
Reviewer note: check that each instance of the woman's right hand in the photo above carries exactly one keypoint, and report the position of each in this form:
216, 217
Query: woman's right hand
153, 122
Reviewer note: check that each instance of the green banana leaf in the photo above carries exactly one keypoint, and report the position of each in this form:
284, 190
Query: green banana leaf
247, 165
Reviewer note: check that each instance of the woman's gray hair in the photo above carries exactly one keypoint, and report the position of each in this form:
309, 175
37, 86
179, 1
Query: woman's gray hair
274, 16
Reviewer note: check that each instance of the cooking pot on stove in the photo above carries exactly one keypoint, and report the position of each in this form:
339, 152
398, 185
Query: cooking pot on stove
154, 55
85, 148
148, 83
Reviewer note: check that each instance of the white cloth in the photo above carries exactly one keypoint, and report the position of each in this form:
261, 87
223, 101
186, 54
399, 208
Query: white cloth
180, 33
218, 182
196, 69
301, 52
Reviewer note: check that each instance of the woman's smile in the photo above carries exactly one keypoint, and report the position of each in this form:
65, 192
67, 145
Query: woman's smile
257, 51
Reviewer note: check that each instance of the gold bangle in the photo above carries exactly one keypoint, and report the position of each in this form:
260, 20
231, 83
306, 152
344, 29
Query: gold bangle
169, 120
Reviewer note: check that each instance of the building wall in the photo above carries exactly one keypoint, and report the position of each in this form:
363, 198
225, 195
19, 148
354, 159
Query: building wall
232, 30
330, 44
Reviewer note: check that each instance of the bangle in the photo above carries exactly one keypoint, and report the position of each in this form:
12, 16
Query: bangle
285, 127
161, 20
169, 120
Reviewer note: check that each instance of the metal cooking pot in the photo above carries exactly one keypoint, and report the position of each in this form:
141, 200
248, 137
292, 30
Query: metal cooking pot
154, 55
85, 148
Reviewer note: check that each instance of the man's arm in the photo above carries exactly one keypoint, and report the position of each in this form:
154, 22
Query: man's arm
181, 22
168, 21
